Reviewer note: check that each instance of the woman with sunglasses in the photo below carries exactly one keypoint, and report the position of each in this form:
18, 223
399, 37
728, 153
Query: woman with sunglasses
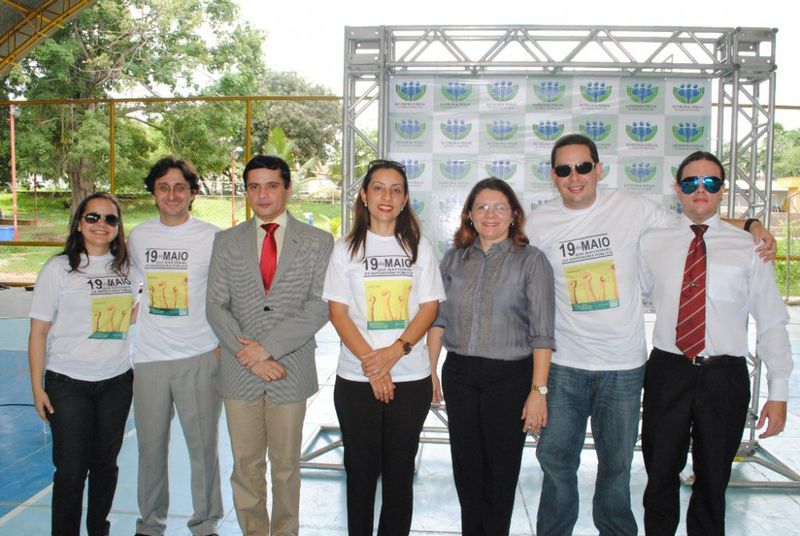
498, 327
383, 289
80, 364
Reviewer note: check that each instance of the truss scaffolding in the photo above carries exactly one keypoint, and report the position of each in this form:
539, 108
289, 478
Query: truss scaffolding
741, 61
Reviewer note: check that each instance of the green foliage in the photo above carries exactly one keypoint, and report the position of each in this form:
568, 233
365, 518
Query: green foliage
786, 152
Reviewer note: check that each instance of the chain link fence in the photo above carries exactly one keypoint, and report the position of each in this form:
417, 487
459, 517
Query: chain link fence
65, 149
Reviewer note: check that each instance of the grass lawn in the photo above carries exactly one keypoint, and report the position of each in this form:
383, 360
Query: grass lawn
46, 218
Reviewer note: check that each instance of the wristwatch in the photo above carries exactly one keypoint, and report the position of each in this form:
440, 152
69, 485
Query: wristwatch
541, 388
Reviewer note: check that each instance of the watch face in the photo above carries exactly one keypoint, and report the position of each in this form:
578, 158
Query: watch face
542, 389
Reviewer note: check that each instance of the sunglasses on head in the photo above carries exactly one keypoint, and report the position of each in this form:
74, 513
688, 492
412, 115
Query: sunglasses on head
581, 167
112, 220
711, 185
386, 163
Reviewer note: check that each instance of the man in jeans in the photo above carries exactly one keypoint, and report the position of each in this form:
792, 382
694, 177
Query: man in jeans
590, 237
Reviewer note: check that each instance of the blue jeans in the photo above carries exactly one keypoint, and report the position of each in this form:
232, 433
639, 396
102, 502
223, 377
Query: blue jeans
88, 423
612, 400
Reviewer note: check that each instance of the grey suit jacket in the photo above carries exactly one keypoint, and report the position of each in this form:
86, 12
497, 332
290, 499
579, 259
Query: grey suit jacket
284, 322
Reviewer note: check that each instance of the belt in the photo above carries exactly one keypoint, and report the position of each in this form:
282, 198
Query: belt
704, 360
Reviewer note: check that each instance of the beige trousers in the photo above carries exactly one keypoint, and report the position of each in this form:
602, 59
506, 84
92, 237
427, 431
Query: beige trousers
261, 429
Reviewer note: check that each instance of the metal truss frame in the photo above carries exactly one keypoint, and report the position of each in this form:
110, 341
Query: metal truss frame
30, 25
740, 60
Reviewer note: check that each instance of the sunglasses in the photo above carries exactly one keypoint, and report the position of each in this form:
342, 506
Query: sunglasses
112, 220
581, 167
711, 185
386, 163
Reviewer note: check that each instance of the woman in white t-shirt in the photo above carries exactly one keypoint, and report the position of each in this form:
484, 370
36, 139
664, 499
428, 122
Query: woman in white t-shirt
383, 288
80, 362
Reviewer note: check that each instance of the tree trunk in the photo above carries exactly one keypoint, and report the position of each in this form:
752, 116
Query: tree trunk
81, 181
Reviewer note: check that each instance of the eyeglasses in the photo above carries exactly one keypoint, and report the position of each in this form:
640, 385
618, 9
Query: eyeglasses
581, 167
387, 163
112, 220
484, 209
178, 188
711, 185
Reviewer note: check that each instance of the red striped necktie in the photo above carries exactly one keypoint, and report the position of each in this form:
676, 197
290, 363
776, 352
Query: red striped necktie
690, 333
269, 255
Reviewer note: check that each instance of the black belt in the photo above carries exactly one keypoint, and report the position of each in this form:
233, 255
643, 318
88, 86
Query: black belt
704, 360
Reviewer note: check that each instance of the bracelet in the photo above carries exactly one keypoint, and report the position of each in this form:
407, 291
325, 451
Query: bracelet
749, 222
407, 346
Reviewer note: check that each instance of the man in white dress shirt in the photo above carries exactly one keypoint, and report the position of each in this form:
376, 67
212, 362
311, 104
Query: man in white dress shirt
697, 385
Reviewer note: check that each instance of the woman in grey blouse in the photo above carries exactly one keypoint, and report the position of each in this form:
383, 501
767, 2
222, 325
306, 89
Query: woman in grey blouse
497, 327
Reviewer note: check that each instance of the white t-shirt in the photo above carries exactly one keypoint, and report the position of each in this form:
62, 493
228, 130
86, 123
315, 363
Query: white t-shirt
593, 252
172, 263
382, 292
89, 313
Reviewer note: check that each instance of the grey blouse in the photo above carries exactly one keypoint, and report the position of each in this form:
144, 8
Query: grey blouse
500, 304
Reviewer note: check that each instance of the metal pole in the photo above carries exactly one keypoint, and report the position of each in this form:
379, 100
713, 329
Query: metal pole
112, 147
13, 171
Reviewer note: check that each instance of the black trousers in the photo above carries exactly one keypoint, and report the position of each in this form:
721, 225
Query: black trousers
707, 403
380, 440
87, 425
484, 399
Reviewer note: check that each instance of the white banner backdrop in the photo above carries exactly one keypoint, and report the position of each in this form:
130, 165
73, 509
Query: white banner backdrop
451, 132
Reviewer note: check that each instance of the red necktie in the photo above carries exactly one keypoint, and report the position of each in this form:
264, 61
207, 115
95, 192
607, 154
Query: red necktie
269, 255
690, 333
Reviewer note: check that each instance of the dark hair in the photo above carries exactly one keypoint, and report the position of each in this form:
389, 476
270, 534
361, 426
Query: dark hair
161, 168
261, 161
574, 139
74, 246
406, 227
699, 155
466, 234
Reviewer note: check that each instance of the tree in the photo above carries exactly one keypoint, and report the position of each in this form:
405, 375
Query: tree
786, 152
116, 46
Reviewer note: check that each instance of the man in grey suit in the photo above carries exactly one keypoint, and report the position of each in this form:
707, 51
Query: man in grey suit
264, 303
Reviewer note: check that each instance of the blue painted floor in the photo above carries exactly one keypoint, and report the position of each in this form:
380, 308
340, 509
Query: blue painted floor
26, 470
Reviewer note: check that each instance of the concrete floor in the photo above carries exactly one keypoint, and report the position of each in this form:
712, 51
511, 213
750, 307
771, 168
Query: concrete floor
26, 472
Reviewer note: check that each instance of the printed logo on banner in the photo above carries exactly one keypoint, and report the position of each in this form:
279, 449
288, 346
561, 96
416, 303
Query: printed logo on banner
597, 131
414, 168
549, 90
688, 93
548, 95
455, 169
411, 90
541, 170
596, 91
642, 175
641, 131
418, 206
641, 172
642, 92
410, 129
502, 90
501, 129
548, 130
502, 169
455, 91
688, 132
456, 129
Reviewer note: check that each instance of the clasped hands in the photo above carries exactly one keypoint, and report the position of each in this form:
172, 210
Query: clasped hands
376, 366
257, 360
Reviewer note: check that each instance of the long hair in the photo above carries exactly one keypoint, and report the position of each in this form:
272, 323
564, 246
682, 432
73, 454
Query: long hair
74, 246
466, 234
406, 228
